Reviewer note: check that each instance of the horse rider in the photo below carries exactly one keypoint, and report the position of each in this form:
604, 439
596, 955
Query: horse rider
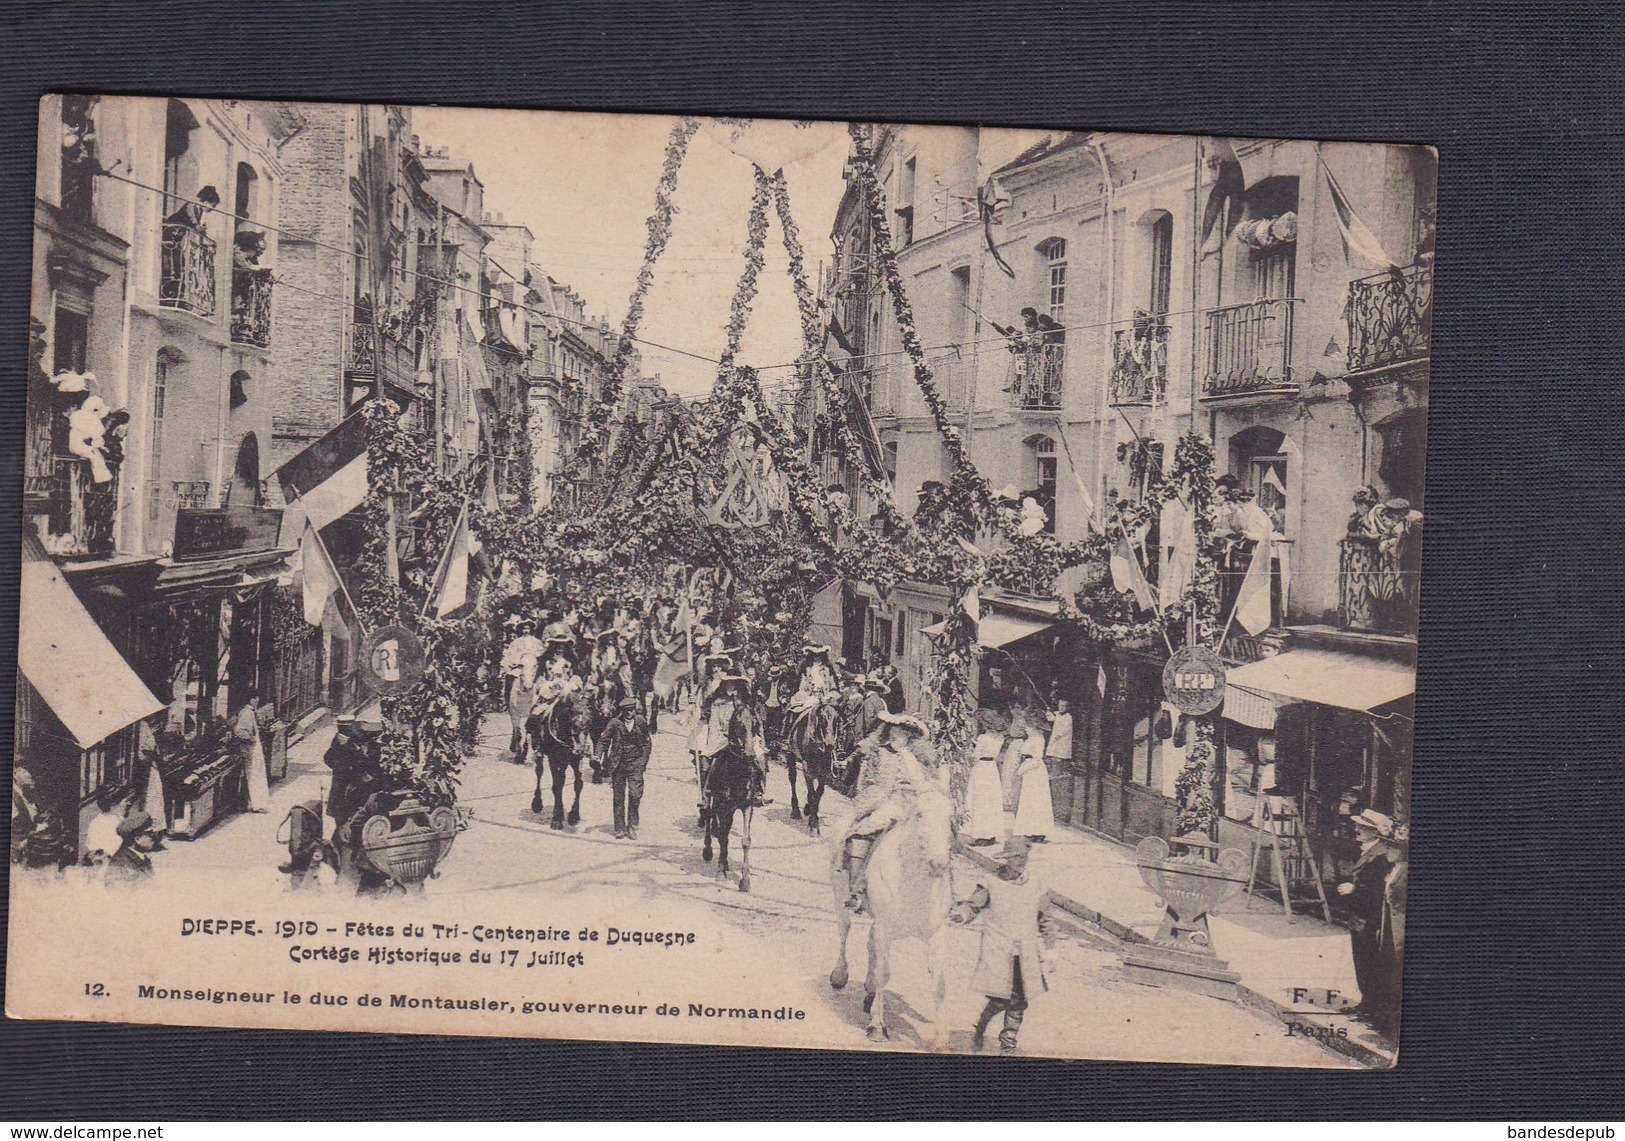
818, 682
523, 656
730, 721
557, 677
872, 705
892, 771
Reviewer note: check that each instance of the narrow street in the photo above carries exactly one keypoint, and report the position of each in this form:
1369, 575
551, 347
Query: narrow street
779, 938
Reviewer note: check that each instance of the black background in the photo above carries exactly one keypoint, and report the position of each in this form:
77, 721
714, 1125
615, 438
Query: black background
1515, 976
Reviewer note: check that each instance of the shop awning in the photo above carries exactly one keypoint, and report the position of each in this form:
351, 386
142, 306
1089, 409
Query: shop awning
66, 657
995, 630
1347, 681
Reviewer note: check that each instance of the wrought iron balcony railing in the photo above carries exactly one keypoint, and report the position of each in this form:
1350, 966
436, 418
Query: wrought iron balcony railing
1035, 376
1140, 363
1249, 349
1377, 589
363, 357
1390, 318
251, 307
186, 279
80, 511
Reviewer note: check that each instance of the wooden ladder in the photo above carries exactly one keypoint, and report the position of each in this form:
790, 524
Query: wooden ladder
1281, 825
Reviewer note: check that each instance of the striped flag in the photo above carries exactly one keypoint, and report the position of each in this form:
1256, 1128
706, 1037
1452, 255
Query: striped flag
1358, 240
450, 590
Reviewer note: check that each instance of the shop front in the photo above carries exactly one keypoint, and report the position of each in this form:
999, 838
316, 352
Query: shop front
1318, 733
79, 701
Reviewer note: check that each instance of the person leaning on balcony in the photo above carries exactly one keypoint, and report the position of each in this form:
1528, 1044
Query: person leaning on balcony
248, 247
191, 214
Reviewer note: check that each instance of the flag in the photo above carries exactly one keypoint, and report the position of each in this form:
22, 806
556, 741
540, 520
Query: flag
450, 590
1228, 198
1358, 240
972, 602
1178, 539
1128, 577
991, 198
1253, 599
328, 479
319, 578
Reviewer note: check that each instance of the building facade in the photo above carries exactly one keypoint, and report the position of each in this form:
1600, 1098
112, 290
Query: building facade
151, 399
1084, 300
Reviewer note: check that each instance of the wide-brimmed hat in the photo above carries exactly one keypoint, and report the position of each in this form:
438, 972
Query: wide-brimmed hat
134, 824
809, 648
1379, 823
1398, 503
1015, 848
905, 721
558, 632
876, 683
992, 720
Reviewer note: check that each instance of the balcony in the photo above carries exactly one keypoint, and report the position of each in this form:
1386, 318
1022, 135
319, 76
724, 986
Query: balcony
1377, 589
362, 359
79, 511
251, 307
1139, 373
186, 279
1249, 350
1034, 378
1390, 318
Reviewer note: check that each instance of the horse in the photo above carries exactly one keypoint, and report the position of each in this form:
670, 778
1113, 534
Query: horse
520, 699
554, 741
724, 791
815, 741
909, 897
673, 675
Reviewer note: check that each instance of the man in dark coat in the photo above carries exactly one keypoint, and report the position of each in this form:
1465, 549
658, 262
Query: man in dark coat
627, 745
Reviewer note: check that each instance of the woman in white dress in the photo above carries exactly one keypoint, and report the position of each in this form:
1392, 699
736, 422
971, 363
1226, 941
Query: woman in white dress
246, 729
1029, 793
984, 799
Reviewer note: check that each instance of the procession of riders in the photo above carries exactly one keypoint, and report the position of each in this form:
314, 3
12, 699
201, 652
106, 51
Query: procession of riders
610, 672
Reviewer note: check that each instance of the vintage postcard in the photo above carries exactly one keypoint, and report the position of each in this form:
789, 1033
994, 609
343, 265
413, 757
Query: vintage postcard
751, 582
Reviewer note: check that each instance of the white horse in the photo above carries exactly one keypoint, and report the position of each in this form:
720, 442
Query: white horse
520, 700
909, 896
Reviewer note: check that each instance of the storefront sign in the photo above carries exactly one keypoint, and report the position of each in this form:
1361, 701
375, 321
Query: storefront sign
391, 660
1193, 680
204, 532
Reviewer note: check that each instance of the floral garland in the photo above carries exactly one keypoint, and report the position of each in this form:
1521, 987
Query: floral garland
429, 727
966, 480
659, 235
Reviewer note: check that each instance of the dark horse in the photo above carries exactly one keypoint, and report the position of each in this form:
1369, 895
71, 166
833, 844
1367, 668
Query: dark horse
814, 742
555, 734
725, 791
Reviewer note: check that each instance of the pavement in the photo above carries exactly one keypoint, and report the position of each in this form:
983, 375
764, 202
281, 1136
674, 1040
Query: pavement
779, 939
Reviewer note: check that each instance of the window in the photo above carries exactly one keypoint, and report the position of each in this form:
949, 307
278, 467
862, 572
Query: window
905, 202
155, 441
1162, 265
962, 321
1054, 254
1258, 459
246, 180
178, 129
891, 461
1045, 470
69, 342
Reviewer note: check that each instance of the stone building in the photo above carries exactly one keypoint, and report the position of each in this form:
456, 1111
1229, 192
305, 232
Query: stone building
157, 342
1085, 299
